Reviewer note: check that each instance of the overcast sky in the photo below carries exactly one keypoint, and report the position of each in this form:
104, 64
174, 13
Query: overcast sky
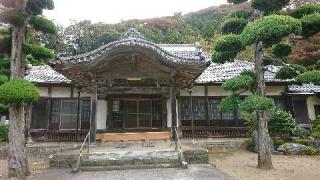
113, 11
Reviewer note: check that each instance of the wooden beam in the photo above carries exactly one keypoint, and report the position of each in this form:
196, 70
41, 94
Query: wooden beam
206, 104
93, 122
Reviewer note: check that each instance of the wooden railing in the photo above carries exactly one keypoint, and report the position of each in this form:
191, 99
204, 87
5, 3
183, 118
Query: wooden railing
77, 166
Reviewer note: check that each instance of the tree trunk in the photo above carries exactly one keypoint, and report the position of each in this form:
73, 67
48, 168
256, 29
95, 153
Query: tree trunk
264, 154
28, 111
17, 162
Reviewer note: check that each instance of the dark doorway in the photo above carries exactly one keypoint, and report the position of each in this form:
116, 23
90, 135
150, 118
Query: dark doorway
301, 111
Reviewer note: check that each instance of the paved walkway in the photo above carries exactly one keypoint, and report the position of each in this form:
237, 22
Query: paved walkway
194, 172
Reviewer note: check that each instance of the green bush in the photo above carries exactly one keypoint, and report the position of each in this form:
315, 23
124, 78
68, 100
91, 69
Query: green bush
3, 107
233, 25
309, 77
310, 24
277, 142
281, 49
228, 42
229, 103
3, 79
38, 51
270, 29
255, 103
42, 24
4, 130
287, 150
316, 122
299, 141
290, 72
281, 124
300, 132
269, 5
311, 151
238, 83
222, 57
250, 145
17, 91
236, 1
315, 134
305, 9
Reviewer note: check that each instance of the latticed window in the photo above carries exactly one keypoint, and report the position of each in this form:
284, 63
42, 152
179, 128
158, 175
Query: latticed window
63, 114
199, 110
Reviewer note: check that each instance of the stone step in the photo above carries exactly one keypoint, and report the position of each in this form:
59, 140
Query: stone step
126, 167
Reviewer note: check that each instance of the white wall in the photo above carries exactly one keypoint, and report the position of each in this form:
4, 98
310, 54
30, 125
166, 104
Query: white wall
101, 114
60, 92
311, 101
43, 91
219, 91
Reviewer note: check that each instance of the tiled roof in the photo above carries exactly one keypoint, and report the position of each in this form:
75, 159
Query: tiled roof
306, 88
44, 74
217, 73
176, 53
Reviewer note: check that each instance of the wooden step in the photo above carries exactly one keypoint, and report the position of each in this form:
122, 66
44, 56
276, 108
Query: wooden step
138, 136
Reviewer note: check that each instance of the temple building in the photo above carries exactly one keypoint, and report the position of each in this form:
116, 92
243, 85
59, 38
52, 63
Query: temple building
134, 85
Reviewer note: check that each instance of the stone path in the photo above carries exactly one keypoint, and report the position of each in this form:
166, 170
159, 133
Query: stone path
194, 172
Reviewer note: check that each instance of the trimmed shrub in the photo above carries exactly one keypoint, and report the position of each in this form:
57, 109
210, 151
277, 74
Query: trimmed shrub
315, 134
38, 51
43, 24
281, 124
310, 24
17, 91
255, 103
281, 49
238, 82
236, 1
287, 150
290, 72
300, 141
3, 79
4, 130
270, 29
277, 142
228, 42
229, 103
309, 77
222, 57
300, 132
269, 5
311, 151
305, 9
3, 107
233, 25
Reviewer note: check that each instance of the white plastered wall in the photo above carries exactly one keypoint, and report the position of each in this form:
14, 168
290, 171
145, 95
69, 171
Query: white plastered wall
311, 101
101, 114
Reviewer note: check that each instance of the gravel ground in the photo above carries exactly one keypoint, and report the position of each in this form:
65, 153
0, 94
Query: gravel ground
242, 166
194, 172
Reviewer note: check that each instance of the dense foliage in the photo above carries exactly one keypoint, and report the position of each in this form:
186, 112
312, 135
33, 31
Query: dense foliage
240, 14
229, 103
38, 51
4, 130
310, 24
281, 49
42, 24
17, 91
233, 25
281, 124
256, 103
35, 7
290, 72
226, 48
238, 83
309, 76
305, 9
269, 6
270, 29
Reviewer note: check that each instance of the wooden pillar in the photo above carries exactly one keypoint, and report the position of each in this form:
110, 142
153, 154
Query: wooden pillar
109, 114
173, 100
93, 122
78, 111
163, 112
206, 105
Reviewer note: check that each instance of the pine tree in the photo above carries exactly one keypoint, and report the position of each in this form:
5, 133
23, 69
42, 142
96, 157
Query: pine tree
22, 15
264, 29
